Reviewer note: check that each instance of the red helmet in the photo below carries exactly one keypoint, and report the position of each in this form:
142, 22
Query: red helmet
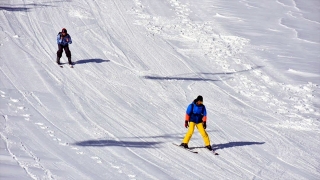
64, 30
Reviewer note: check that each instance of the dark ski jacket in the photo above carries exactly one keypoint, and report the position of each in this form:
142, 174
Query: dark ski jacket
196, 113
65, 40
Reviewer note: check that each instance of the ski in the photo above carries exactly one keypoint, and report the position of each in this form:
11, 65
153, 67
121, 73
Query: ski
214, 152
70, 65
59, 64
190, 150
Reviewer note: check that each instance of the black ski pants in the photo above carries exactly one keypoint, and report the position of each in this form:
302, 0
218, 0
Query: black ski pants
66, 50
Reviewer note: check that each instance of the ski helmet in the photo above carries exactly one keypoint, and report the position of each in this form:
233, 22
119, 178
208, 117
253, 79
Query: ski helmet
64, 30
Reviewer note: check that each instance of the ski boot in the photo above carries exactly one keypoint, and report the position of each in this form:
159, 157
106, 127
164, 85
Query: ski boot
185, 145
69, 61
209, 147
58, 61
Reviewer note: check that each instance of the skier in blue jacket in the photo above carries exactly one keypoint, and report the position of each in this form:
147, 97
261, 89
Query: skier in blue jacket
196, 116
63, 41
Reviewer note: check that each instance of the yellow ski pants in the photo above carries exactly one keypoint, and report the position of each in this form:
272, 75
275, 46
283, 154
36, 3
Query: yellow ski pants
201, 130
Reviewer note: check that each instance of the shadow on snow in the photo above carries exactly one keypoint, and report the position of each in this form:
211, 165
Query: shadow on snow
199, 76
174, 137
102, 143
235, 144
179, 78
22, 7
97, 60
231, 144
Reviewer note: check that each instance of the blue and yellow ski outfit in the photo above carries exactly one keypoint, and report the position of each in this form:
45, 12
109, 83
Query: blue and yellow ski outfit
196, 116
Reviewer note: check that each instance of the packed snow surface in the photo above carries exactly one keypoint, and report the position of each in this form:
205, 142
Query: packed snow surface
138, 64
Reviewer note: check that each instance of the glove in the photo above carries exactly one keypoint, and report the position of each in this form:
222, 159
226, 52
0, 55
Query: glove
186, 124
204, 124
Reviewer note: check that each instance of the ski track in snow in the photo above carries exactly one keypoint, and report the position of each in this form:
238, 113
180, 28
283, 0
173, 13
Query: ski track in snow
94, 121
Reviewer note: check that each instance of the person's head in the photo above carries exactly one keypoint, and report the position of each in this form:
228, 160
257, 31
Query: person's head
64, 31
199, 100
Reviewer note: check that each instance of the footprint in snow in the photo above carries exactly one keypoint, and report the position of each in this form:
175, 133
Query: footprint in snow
97, 159
63, 143
42, 126
115, 167
74, 148
26, 115
21, 108
78, 151
14, 100
51, 133
131, 176
57, 139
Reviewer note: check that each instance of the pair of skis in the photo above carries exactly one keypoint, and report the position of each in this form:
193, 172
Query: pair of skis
193, 151
70, 65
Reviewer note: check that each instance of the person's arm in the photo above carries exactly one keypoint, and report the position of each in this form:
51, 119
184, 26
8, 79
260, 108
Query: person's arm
58, 39
69, 40
187, 118
188, 113
204, 118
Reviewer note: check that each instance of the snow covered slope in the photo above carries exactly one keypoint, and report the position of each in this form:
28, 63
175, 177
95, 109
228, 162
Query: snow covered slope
138, 64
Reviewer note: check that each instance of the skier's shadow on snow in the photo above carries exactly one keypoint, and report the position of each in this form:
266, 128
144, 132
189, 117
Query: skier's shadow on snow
179, 78
201, 76
22, 7
96, 60
235, 144
103, 143
232, 144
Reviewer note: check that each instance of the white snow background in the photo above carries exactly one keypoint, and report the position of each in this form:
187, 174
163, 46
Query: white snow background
138, 64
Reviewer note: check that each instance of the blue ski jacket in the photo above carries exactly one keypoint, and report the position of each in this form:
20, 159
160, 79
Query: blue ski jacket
196, 113
65, 40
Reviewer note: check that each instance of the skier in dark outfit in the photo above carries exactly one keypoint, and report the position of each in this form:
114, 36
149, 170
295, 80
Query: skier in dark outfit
63, 41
